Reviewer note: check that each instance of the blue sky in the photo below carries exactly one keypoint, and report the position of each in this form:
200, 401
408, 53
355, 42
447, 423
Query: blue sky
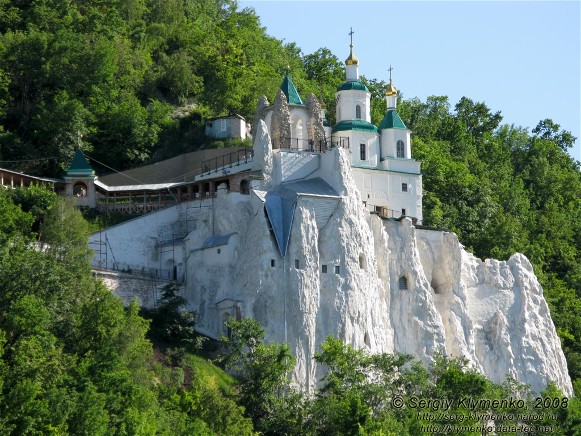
521, 58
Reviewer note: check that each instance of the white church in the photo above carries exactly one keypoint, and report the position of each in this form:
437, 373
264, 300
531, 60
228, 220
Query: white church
388, 178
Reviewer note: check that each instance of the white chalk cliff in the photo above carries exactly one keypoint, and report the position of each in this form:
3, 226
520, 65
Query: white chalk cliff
388, 286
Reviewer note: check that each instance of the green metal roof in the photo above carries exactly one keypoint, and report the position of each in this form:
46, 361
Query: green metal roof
354, 85
288, 87
80, 166
392, 121
360, 125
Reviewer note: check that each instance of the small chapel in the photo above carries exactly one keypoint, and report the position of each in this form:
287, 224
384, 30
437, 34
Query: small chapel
387, 177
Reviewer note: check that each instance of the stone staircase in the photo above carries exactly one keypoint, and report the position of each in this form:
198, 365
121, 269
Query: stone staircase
297, 165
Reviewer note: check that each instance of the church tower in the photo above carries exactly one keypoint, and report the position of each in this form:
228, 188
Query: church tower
353, 115
395, 136
80, 181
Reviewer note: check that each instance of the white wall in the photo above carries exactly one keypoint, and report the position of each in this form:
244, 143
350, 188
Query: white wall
384, 189
389, 138
134, 244
348, 100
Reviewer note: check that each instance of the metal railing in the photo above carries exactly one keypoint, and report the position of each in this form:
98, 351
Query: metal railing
312, 146
226, 161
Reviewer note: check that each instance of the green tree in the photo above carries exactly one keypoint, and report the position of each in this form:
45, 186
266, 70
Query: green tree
261, 370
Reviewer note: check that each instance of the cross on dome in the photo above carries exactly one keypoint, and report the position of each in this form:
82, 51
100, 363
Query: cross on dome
352, 59
391, 90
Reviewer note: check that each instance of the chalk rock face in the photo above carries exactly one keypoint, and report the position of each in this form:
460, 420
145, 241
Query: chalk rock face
280, 122
316, 119
380, 285
262, 159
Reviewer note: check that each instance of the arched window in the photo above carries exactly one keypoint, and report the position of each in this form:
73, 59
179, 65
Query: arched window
403, 283
297, 133
358, 112
80, 189
400, 149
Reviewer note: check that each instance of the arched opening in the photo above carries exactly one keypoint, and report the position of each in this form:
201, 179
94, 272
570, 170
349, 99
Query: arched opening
80, 189
358, 112
297, 133
366, 339
400, 149
245, 187
403, 283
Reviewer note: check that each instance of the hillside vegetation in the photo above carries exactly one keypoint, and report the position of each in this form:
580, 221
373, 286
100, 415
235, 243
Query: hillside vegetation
111, 77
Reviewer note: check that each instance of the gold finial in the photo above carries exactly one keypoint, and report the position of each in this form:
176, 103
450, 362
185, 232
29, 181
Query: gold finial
391, 90
352, 59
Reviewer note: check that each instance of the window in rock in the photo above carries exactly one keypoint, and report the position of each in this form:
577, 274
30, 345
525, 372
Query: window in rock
324, 269
226, 328
362, 261
245, 187
403, 283
297, 264
337, 269
272, 263
400, 149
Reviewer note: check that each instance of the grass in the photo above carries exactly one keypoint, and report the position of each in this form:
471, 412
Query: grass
205, 369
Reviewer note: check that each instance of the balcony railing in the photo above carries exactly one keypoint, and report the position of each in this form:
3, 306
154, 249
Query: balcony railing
226, 161
312, 146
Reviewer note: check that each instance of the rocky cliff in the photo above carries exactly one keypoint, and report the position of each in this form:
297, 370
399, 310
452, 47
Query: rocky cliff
378, 284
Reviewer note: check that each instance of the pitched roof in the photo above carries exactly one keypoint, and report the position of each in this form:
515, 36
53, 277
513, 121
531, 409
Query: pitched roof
290, 91
360, 125
280, 205
80, 166
392, 120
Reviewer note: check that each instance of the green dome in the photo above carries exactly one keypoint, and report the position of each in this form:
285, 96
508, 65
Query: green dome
392, 120
360, 125
354, 85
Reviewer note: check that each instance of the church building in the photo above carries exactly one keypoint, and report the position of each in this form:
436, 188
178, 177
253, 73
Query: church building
387, 177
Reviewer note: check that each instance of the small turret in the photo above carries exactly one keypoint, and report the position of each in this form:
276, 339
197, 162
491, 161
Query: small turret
351, 63
391, 93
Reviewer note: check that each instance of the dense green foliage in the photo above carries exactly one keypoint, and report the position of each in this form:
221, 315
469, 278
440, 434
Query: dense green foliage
381, 394
73, 360
107, 76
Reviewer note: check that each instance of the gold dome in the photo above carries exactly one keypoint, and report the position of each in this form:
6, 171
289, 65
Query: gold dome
352, 59
391, 90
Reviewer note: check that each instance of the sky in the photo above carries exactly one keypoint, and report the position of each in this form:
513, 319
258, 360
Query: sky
521, 58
